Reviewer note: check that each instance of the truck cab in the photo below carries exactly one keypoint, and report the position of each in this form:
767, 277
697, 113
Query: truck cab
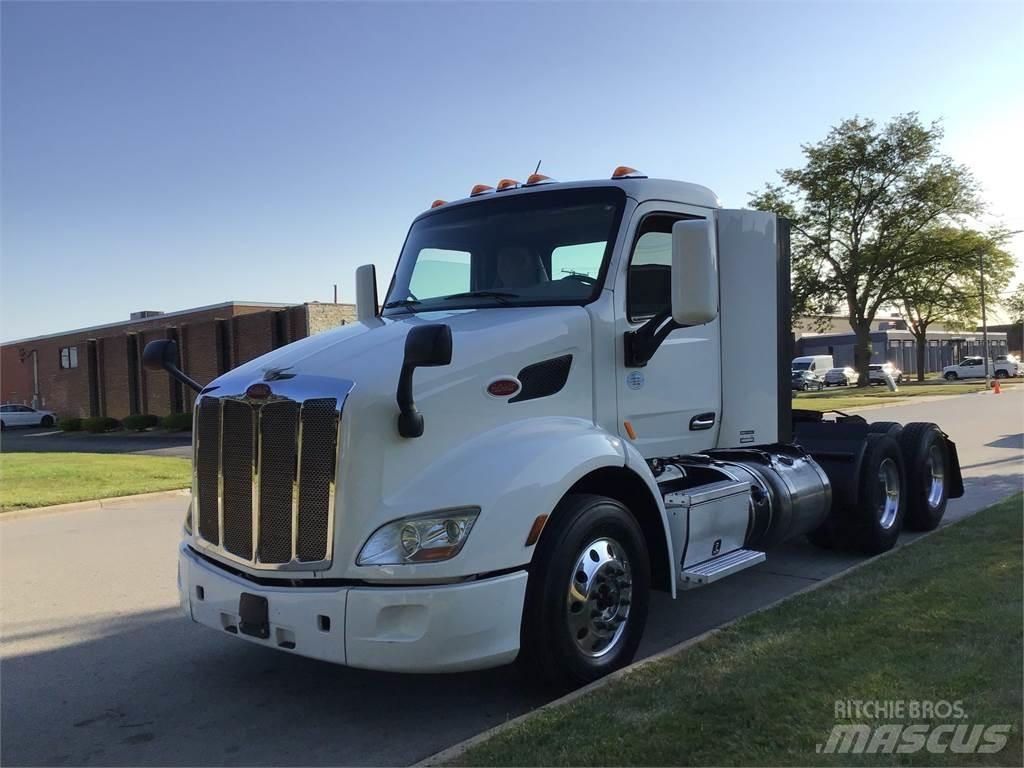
549, 415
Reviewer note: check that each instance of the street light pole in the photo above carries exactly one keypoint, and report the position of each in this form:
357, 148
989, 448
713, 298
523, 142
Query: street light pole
984, 325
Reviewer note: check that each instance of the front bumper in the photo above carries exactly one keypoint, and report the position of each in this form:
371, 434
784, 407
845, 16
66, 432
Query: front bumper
447, 628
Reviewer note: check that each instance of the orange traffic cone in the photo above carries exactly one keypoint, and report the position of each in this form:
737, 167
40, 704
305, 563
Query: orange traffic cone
995, 387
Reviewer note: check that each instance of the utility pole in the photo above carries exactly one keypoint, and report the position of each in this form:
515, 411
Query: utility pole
984, 324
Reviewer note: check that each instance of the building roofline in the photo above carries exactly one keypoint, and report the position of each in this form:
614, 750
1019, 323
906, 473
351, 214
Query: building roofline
907, 334
151, 318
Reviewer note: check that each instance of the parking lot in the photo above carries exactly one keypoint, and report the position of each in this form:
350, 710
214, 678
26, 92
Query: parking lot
100, 668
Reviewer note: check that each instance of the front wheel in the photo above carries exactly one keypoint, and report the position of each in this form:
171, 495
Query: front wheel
1001, 374
47, 421
587, 598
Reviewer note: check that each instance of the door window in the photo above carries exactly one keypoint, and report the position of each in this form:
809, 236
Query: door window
649, 279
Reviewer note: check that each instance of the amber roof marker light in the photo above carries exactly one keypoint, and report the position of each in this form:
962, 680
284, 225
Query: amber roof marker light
480, 189
625, 172
538, 178
438, 203
507, 184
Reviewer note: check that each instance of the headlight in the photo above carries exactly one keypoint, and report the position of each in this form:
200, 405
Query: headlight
420, 539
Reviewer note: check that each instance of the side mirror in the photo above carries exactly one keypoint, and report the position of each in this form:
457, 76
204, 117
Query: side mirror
366, 293
426, 345
694, 272
162, 355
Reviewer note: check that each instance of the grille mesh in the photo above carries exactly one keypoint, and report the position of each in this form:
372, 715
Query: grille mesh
233, 436
316, 470
236, 463
278, 423
207, 461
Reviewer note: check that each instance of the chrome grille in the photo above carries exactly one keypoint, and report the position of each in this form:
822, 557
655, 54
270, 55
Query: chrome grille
265, 478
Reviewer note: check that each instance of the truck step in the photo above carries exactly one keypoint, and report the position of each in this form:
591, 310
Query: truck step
719, 567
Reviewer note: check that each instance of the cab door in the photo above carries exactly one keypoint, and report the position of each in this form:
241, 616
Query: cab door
673, 403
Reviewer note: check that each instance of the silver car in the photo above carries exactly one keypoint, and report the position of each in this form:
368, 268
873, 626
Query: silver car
840, 377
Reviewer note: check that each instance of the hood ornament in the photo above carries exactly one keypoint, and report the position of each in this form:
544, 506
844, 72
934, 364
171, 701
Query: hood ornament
275, 374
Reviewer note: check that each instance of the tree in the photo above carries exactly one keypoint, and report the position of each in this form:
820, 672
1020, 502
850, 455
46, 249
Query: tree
862, 197
1014, 304
940, 279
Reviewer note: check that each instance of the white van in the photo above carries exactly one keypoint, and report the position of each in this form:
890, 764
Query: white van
819, 364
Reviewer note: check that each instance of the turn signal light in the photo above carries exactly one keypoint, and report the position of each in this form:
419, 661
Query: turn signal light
535, 529
625, 172
480, 189
438, 203
507, 184
538, 178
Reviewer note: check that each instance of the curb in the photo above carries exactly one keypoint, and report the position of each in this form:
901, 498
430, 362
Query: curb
82, 506
457, 750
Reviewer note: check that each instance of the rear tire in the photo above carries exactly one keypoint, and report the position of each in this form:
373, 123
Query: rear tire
588, 593
890, 428
951, 376
926, 457
876, 520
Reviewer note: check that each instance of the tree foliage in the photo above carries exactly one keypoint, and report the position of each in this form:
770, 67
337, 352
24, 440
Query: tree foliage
940, 279
862, 198
1014, 304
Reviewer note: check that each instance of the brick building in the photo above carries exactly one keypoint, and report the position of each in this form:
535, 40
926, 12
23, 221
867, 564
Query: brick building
98, 371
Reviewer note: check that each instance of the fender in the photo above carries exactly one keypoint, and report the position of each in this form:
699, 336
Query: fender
639, 465
513, 473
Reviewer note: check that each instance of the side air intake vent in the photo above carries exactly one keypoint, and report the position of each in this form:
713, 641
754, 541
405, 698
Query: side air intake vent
543, 379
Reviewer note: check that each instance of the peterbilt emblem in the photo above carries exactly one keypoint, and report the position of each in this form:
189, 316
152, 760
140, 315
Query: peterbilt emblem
258, 391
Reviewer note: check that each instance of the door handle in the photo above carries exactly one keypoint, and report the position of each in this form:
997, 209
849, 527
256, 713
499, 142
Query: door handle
702, 421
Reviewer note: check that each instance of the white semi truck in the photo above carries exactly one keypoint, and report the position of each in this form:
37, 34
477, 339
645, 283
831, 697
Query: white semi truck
572, 394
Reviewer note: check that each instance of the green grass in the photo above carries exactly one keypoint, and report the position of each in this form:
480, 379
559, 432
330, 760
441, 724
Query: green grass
843, 398
938, 620
41, 479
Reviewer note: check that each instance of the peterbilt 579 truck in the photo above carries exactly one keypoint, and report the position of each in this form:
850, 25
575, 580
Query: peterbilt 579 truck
571, 395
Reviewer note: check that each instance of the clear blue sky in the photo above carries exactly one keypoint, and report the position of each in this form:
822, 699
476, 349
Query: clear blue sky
162, 156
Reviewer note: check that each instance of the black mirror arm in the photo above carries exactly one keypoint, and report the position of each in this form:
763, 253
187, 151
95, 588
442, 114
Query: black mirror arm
184, 378
641, 344
410, 420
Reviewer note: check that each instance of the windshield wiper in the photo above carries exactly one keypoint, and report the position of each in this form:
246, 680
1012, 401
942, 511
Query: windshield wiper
501, 296
401, 303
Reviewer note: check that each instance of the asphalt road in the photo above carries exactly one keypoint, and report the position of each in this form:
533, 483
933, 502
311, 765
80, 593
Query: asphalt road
99, 668
42, 440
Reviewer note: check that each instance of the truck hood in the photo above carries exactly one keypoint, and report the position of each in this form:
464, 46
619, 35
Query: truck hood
485, 342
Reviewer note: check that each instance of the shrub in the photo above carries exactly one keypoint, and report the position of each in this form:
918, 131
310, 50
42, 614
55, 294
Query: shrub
177, 422
140, 422
70, 425
100, 424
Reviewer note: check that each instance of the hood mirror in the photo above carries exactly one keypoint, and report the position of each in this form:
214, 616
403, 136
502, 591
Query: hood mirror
429, 344
162, 355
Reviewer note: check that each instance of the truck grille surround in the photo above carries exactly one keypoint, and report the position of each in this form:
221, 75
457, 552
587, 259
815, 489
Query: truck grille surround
264, 479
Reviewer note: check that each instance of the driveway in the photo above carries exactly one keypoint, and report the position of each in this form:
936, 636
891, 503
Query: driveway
99, 668
42, 440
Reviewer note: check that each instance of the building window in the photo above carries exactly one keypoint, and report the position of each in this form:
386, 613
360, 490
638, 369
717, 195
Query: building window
69, 357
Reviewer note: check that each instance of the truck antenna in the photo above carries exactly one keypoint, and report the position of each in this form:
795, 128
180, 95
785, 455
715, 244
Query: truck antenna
537, 169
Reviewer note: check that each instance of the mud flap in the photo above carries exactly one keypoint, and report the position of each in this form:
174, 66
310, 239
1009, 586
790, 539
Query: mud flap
956, 480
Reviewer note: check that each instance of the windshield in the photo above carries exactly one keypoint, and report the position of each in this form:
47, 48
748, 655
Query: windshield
523, 250
802, 366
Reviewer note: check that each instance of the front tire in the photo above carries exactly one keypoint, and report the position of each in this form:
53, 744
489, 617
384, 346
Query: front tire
588, 594
46, 421
1001, 374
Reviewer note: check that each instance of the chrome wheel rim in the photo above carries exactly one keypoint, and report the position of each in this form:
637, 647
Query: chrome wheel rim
936, 477
600, 594
889, 489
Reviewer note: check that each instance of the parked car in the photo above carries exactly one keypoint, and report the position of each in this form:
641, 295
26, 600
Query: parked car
13, 415
806, 381
840, 377
877, 371
974, 368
